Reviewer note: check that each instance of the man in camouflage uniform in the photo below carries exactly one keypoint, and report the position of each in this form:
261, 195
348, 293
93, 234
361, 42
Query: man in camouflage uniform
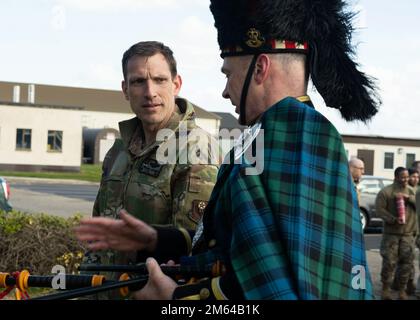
398, 237
413, 181
134, 178
417, 291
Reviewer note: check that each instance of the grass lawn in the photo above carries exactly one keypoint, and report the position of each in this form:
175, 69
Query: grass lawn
88, 172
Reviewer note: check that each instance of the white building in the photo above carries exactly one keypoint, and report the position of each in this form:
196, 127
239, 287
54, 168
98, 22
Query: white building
37, 138
382, 155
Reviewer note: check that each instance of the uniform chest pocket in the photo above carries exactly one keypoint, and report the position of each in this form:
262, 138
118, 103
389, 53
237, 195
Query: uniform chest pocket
111, 195
148, 203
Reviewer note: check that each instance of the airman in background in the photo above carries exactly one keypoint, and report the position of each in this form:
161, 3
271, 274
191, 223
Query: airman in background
398, 239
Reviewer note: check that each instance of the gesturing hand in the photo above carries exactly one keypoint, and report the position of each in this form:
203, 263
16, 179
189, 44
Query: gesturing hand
124, 234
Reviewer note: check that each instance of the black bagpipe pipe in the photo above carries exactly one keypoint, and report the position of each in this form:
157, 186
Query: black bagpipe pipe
83, 285
211, 270
25, 280
132, 284
71, 286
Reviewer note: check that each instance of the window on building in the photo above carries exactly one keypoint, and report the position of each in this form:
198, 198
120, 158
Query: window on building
411, 157
389, 160
23, 139
55, 140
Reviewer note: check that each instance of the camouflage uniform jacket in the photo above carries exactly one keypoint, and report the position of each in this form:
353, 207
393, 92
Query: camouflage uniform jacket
386, 208
172, 194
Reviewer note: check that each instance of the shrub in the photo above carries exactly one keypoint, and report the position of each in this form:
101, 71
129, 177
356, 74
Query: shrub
37, 242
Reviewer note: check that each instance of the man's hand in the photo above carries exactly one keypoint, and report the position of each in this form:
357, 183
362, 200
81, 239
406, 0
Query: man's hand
400, 194
159, 286
125, 234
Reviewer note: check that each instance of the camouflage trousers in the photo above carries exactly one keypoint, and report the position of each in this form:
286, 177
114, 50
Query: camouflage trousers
418, 278
412, 272
397, 250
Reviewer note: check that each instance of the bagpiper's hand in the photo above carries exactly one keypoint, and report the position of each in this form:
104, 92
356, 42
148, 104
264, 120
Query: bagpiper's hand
159, 286
125, 234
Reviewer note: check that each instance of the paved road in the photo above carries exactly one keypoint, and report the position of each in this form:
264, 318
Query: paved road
62, 198
373, 241
78, 191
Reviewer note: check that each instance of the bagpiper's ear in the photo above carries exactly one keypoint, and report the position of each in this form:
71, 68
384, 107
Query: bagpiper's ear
262, 68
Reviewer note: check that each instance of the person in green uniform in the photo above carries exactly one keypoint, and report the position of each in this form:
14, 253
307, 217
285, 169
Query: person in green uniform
397, 246
134, 178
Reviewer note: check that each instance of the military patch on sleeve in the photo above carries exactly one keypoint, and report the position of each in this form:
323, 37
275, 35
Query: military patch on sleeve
150, 167
197, 210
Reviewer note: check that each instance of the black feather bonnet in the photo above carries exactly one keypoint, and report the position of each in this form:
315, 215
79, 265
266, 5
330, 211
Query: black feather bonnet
321, 29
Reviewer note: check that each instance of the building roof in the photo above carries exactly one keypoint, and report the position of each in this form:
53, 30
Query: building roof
381, 140
72, 97
201, 113
228, 121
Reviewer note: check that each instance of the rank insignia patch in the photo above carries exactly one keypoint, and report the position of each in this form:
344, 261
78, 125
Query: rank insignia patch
150, 167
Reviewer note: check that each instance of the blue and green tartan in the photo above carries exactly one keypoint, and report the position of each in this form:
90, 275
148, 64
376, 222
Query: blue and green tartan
294, 231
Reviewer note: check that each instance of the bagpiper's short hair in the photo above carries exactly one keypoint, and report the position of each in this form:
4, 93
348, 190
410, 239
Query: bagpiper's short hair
321, 29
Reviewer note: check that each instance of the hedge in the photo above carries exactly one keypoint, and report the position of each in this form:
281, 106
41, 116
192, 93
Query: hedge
37, 242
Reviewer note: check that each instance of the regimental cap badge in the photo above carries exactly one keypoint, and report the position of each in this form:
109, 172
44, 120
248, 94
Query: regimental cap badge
255, 39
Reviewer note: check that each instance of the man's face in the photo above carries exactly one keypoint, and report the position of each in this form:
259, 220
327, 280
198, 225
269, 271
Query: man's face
235, 69
150, 88
402, 178
357, 170
413, 180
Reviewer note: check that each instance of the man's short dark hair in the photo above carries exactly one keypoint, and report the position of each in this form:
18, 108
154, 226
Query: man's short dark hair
415, 163
148, 49
412, 171
398, 171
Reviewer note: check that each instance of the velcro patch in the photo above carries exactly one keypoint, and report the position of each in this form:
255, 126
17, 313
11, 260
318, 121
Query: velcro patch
150, 167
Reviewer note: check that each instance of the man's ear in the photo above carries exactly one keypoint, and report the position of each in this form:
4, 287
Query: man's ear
262, 68
177, 81
124, 89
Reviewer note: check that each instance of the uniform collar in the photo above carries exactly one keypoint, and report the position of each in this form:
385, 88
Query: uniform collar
134, 126
306, 100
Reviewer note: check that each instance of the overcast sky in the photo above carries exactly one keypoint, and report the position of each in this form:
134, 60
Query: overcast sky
81, 42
